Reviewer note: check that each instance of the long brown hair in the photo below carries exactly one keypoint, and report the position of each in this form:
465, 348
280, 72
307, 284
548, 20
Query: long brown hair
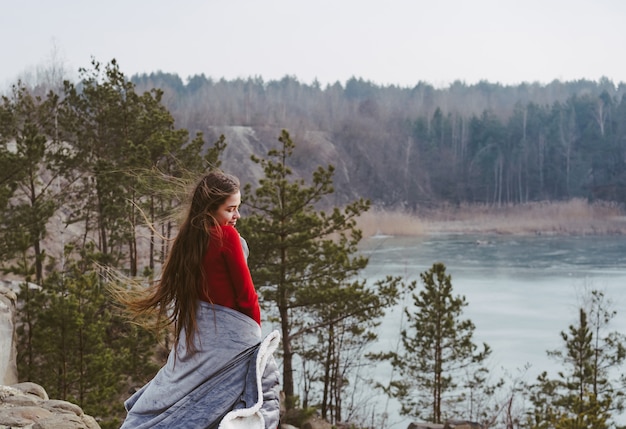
174, 297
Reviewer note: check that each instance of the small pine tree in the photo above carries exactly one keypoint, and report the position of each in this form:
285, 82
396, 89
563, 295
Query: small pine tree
438, 352
583, 395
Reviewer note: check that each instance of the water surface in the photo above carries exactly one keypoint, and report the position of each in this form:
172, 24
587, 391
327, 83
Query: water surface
521, 291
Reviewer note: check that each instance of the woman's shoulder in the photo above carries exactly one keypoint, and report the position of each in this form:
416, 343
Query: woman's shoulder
228, 232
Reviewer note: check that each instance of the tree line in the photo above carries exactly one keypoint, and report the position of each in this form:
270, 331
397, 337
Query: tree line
93, 175
412, 147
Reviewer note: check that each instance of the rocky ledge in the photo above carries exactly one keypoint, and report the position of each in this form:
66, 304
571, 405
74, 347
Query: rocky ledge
26, 405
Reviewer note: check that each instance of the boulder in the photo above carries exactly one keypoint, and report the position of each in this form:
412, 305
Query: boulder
8, 351
26, 405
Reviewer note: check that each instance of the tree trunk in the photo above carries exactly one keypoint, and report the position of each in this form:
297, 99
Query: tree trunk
287, 358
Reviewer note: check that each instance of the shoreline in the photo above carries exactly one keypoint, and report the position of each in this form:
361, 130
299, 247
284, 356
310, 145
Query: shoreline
574, 217
600, 227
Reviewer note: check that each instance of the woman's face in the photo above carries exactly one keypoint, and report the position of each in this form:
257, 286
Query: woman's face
228, 212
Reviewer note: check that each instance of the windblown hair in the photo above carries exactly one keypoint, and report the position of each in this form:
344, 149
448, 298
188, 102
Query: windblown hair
174, 297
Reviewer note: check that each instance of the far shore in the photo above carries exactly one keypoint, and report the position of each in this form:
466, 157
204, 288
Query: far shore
573, 217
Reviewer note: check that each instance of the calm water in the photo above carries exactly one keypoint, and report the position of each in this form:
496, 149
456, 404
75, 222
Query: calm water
521, 291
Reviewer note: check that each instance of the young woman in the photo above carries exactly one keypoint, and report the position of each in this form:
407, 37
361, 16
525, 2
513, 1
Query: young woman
220, 372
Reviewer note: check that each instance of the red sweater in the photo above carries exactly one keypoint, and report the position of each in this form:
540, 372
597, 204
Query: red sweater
228, 278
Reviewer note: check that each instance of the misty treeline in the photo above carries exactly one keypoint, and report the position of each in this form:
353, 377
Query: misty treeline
92, 179
415, 147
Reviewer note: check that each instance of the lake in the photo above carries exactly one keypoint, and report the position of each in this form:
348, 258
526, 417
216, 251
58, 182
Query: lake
522, 291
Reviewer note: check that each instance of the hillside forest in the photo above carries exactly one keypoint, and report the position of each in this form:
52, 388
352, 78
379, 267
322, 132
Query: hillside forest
93, 178
417, 147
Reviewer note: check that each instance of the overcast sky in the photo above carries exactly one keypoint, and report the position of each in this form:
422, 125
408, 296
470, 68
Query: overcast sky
397, 42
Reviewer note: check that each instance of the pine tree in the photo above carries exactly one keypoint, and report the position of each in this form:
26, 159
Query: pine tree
347, 319
437, 351
76, 353
584, 394
300, 255
118, 135
38, 162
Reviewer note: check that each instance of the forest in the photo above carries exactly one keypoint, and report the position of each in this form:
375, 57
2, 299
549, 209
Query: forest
94, 177
417, 147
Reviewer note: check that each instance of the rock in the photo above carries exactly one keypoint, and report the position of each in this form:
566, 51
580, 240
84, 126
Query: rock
33, 389
8, 351
58, 421
26, 405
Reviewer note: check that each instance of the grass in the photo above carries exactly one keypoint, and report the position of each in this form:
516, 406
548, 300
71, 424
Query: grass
378, 221
573, 217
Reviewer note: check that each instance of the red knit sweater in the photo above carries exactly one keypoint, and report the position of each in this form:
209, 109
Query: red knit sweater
228, 278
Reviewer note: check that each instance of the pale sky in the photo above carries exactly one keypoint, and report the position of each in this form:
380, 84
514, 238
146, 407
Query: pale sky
397, 42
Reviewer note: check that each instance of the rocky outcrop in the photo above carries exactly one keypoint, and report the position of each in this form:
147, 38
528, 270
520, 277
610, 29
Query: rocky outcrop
26, 405
8, 353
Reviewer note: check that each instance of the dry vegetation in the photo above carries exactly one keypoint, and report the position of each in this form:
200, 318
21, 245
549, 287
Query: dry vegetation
574, 217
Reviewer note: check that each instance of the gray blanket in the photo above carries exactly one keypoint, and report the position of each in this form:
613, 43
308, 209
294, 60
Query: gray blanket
231, 382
